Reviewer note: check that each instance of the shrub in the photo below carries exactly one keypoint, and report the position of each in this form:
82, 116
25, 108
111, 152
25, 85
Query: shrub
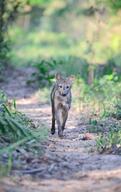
13, 124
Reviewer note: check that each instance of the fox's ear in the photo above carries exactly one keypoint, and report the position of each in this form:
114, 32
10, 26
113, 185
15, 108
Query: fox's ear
71, 78
58, 76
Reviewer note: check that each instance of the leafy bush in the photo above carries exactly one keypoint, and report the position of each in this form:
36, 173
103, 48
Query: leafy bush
105, 95
47, 68
45, 71
117, 111
4, 49
108, 130
100, 97
101, 103
13, 124
110, 142
17, 133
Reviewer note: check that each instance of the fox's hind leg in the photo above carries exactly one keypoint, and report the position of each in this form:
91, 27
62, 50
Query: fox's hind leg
53, 125
53, 121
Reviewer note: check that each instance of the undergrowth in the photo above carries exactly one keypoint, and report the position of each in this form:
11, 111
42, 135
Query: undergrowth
13, 124
101, 105
16, 133
108, 129
109, 139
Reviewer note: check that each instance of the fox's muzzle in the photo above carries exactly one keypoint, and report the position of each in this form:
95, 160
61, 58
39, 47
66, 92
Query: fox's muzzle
64, 95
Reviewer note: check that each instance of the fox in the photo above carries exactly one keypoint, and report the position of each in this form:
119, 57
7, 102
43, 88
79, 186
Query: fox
61, 98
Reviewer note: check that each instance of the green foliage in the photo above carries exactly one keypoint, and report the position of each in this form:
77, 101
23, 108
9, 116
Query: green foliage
45, 71
114, 5
13, 124
93, 42
117, 111
106, 120
107, 88
6, 168
107, 141
8, 11
47, 68
16, 131
102, 103
38, 2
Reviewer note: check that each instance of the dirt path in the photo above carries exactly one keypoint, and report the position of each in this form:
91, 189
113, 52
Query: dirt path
69, 164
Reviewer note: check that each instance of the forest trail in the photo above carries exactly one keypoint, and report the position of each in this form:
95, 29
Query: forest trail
67, 165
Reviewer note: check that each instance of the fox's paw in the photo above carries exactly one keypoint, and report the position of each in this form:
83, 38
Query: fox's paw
52, 131
60, 134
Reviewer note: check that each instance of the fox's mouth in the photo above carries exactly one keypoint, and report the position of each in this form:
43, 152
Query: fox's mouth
63, 95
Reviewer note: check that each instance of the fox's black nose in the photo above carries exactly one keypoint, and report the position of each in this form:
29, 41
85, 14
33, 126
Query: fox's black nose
63, 95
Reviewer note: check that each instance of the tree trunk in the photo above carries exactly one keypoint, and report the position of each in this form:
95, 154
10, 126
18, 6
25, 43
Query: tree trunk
2, 10
90, 74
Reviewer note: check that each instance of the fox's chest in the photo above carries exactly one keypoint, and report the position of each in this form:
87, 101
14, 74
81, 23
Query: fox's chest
62, 102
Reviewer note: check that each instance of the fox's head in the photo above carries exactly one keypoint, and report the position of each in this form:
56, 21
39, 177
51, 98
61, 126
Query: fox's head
63, 84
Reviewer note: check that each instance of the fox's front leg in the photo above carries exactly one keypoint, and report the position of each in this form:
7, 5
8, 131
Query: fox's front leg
59, 122
53, 125
65, 116
53, 121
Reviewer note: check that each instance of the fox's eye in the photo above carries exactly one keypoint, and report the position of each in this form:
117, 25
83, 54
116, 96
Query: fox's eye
67, 87
60, 86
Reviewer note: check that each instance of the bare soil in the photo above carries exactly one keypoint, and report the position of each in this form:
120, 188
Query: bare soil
70, 164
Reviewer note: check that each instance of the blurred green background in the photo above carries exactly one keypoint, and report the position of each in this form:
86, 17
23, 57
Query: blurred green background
82, 36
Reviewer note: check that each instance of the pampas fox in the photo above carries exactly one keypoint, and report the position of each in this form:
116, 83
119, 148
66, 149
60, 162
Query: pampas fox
60, 102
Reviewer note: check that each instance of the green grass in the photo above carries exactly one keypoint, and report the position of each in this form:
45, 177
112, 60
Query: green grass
110, 142
38, 136
111, 139
16, 131
13, 124
108, 129
100, 103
